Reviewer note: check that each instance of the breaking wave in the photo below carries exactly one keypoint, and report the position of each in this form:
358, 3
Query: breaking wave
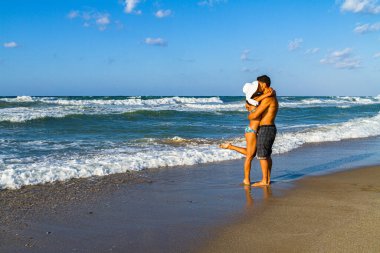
149, 153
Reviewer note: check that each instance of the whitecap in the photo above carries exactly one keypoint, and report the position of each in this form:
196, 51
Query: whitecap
155, 153
18, 99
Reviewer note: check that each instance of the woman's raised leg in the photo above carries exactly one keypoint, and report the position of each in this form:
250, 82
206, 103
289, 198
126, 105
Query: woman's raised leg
237, 149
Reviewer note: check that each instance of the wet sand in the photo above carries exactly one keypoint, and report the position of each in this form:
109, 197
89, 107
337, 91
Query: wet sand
157, 212
165, 210
333, 213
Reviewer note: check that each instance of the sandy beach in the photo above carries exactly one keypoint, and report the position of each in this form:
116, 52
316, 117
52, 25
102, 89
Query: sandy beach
332, 213
167, 210
203, 208
185, 209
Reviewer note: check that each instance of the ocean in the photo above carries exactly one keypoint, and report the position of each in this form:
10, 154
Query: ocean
47, 139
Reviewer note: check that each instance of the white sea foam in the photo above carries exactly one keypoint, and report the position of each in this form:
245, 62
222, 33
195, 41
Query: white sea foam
287, 101
18, 99
217, 107
61, 107
51, 169
58, 108
341, 102
130, 101
357, 128
22, 114
154, 153
127, 101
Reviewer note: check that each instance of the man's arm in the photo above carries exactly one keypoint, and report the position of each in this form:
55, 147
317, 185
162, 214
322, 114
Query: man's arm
260, 109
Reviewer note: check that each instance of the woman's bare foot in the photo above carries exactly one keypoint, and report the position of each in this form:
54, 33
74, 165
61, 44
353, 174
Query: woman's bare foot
225, 145
261, 183
246, 183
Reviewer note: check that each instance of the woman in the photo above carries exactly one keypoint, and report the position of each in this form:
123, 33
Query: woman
249, 151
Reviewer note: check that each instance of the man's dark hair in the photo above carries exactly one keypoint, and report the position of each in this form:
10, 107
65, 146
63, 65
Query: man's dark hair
264, 79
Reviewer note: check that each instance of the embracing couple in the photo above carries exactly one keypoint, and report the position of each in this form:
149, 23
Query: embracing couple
262, 105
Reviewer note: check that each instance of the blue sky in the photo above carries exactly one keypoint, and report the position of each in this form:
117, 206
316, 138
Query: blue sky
188, 47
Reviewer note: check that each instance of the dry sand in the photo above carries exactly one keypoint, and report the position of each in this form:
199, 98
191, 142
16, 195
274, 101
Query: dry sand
333, 213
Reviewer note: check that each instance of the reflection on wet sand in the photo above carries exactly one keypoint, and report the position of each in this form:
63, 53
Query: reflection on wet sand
267, 193
248, 196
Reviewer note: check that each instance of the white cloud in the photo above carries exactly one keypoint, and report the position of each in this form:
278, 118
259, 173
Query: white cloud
295, 44
130, 5
73, 14
10, 44
366, 28
103, 20
163, 13
312, 50
245, 55
342, 59
363, 6
91, 18
376, 55
156, 42
211, 3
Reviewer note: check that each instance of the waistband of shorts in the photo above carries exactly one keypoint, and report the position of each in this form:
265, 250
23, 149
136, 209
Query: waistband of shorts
267, 126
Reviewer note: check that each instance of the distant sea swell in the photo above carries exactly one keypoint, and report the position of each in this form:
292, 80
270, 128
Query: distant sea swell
45, 139
24, 108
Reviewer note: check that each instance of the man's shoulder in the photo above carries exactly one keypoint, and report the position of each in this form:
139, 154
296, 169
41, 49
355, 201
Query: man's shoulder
270, 99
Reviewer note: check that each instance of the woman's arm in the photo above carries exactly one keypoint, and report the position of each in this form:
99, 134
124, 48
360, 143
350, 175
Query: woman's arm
271, 92
256, 114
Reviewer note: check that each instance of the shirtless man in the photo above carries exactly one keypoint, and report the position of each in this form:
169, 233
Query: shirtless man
252, 100
267, 110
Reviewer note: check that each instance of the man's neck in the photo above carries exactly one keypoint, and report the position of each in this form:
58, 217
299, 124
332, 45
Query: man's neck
266, 89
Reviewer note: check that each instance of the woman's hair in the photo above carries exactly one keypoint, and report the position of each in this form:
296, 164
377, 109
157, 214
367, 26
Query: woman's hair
256, 95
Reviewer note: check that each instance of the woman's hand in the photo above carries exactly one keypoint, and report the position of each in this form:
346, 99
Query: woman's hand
271, 92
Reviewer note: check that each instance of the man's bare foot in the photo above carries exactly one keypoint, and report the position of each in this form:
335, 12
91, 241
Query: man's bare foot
225, 145
261, 183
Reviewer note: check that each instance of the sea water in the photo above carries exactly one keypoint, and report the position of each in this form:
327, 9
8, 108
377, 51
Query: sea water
45, 139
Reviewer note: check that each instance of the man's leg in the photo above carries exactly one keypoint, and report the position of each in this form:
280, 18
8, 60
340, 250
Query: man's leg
266, 168
265, 142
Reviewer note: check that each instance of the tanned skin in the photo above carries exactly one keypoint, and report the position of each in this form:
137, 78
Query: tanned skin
267, 112
250, 150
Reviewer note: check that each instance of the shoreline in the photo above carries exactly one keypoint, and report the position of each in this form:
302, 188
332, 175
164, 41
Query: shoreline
337, 212
344, 193
162, 210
